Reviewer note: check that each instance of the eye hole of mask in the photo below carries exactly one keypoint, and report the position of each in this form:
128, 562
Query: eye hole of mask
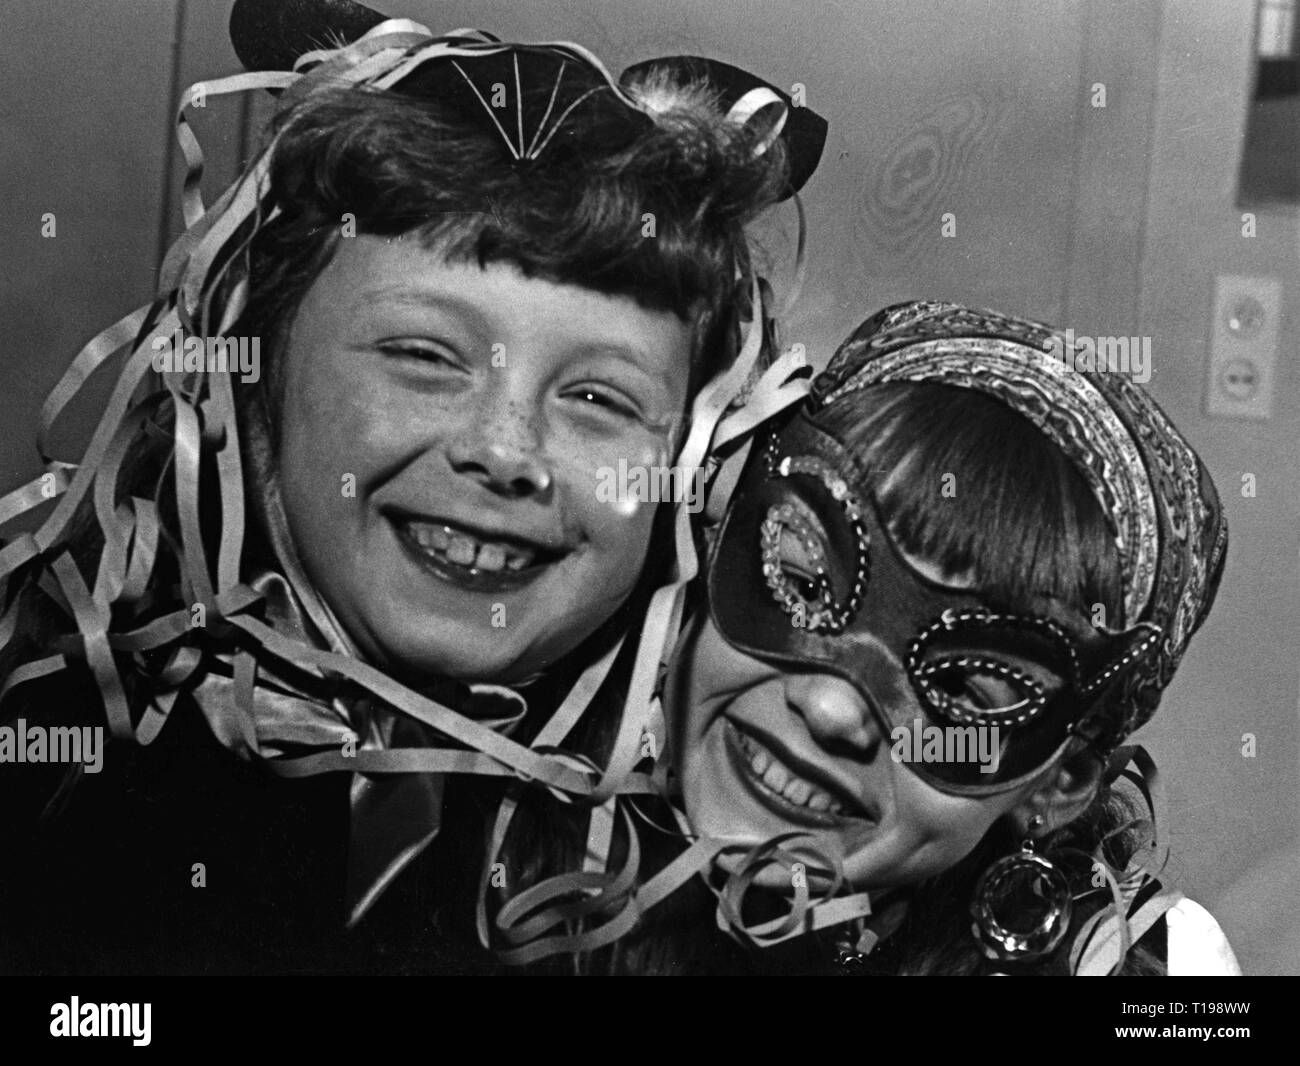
801, 564
973, 689
794, 565
812, 543
982, 666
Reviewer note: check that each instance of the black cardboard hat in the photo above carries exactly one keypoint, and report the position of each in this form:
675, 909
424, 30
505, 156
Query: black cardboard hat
804, 132
272, 34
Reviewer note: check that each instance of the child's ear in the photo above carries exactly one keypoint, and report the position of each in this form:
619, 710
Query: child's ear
1066, 791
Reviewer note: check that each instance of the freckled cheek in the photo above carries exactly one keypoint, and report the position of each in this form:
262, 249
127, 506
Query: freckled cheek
586, 457
381, 435
585, 468
329, 412
371, 430
621, 541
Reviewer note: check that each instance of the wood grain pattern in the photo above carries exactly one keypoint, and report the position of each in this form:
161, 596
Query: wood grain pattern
903, 196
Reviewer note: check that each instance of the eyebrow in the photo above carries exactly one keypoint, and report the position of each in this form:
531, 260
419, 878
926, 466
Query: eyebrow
640, 360
419, 297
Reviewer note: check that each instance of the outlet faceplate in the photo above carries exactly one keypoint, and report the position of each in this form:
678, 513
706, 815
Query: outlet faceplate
1243, 346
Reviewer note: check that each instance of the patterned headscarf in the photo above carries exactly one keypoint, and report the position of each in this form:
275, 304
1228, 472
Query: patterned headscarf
1154, 491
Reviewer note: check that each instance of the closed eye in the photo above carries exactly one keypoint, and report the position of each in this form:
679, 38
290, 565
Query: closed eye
604, 398
432, 352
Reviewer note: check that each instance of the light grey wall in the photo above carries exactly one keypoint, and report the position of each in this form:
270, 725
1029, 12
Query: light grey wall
1235, 818
82, 93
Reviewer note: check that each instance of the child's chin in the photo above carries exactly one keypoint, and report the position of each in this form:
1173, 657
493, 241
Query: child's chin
421, 655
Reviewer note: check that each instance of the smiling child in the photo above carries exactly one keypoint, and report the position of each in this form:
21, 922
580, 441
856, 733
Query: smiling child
297, 599
956, 535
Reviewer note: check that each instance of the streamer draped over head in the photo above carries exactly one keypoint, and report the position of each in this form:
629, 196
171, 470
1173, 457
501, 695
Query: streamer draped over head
270, 668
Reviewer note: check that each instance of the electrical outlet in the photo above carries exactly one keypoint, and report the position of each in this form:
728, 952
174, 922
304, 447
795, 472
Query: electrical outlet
1243, 346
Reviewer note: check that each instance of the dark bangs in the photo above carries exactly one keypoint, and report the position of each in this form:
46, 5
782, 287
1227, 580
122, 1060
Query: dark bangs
617, 203
1015, 512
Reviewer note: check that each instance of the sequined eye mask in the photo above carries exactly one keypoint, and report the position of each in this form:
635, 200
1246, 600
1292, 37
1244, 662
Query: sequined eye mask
805, 574
1165, 517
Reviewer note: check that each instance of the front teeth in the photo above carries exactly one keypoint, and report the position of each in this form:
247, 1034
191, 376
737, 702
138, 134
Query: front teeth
777, 777
460, 548
462, 551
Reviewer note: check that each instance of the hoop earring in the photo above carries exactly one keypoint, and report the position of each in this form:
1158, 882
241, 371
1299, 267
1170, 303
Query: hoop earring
1001, 896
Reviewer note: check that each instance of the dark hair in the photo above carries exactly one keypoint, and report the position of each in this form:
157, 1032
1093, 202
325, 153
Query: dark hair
1021, 518
405, 166
1025, 523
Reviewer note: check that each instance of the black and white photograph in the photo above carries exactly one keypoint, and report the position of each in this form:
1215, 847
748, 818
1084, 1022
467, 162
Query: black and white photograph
674, 488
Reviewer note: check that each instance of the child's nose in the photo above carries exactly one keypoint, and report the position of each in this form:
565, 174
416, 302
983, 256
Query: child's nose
499, 446
836, 714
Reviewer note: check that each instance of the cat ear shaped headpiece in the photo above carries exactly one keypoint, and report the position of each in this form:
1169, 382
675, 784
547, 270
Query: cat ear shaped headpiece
527, 91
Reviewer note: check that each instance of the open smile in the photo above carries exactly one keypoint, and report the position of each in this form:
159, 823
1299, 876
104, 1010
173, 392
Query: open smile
477, 559
793, 789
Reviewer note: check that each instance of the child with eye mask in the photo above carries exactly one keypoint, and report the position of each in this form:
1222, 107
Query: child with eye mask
945, 592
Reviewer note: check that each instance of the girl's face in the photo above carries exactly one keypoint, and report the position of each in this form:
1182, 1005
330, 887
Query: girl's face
832, 660
444, 429
760, 752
